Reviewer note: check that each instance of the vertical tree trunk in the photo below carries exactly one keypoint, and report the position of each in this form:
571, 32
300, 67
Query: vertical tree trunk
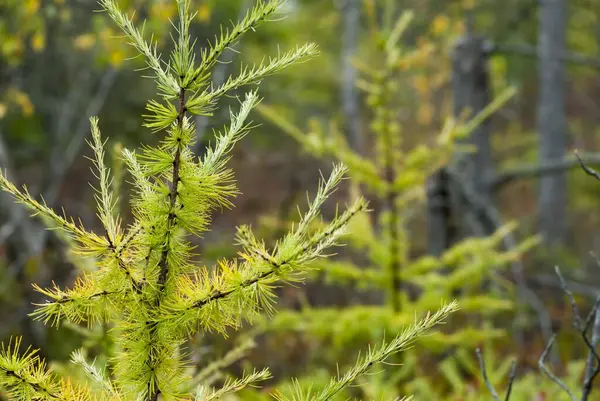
349, 93
446, 206
440, 228
552, 122
470, 82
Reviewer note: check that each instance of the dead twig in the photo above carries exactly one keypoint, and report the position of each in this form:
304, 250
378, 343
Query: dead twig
489, 385
592, 368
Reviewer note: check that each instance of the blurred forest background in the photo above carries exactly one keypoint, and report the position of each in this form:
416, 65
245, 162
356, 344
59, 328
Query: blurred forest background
519, 180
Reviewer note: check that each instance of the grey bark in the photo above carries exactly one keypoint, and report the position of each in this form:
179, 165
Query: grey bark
446, 204
440, 226
470, 84
349, 93
552, 122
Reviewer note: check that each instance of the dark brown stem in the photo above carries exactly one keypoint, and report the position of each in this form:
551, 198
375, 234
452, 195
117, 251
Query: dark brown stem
163, 264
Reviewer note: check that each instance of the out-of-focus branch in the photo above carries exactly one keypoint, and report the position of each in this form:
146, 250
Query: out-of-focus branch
62, 156
489, 385
590, 171
531, 51
548, 372
592, 368
532, 170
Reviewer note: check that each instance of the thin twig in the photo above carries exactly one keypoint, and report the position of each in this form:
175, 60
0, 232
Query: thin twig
511, 377
538, 170
548, 372
486, 380
529, 50
511, 380
590, 171
592, 367
576, 315
591, 371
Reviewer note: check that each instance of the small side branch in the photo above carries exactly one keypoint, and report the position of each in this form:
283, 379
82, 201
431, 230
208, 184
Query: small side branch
590, 171
489, 385
548, 372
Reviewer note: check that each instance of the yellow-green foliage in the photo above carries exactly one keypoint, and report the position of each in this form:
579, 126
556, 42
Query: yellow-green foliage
147, 284
397, 176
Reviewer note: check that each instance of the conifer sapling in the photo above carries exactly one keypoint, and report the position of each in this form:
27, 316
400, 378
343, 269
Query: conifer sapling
148, 284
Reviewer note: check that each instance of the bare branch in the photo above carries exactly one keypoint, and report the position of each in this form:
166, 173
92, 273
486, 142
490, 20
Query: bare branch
548, 372
592, 372
528, 50
567, 291
592, 367
588, 170
63, 156
533, 170
511, 378
486, 380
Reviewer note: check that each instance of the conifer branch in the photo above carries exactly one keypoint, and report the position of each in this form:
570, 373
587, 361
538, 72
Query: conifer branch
174, 193
104, 199
260, 12
257, 73
166, 84
90, 244
214, 302
214, 158
376, 356
231, 386
83, 303
96, 375
235, 354
27, 378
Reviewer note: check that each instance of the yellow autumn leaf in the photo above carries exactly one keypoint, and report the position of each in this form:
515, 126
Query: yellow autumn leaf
23, 100
403, 64
440, 24
85, 41
425, 114
117, 57
204, 12
31, 6
469, 4
38, 42
421, 84
11, 46
459, 27
3, 109
163, 11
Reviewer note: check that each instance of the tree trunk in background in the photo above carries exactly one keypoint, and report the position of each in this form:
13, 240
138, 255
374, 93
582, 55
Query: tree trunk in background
447, 209
349, 92
440, 227
552, 122
471, 88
